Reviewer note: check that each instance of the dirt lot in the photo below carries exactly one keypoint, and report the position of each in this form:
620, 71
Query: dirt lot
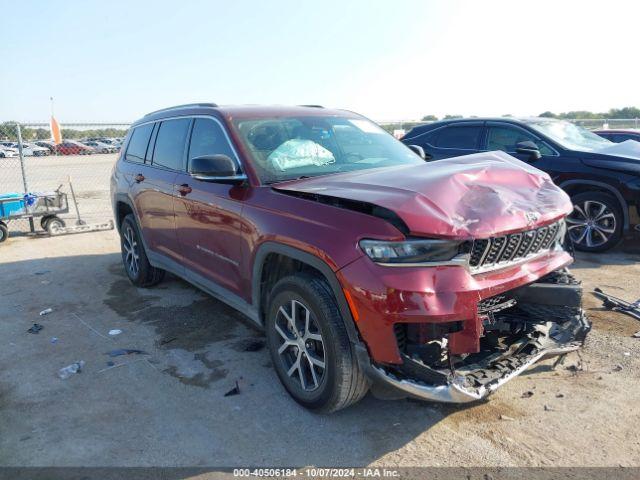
168, 408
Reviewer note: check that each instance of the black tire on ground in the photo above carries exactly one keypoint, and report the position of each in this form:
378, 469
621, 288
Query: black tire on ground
342, 382
596, 223
54, 224
134, 258
4, 232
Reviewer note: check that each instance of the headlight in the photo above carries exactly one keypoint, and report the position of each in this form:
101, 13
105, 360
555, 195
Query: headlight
411, 251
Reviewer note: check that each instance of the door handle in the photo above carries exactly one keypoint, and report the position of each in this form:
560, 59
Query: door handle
139, 178
184, 189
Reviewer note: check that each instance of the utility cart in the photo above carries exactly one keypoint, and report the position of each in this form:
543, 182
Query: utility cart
45, 205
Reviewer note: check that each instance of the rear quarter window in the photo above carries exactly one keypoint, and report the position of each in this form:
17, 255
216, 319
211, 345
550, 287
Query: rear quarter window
138, 143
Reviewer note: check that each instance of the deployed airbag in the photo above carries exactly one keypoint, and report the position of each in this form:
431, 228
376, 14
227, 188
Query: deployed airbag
296, 153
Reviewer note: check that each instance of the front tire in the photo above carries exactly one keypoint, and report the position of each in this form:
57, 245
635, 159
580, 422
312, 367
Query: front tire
134, 258
4, 232
310, 347
596, 223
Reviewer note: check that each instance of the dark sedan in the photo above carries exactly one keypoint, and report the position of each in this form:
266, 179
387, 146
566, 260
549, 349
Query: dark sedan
602, 177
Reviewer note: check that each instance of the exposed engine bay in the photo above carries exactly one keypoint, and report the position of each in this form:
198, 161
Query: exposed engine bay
520, 327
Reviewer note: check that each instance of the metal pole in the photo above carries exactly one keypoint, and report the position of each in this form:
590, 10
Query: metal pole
24, 175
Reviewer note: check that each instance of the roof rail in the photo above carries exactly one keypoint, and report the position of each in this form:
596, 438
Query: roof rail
186, 105
311, 106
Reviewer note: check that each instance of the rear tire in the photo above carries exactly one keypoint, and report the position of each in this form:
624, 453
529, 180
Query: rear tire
327, 377
596, 223
134, 258
4, 233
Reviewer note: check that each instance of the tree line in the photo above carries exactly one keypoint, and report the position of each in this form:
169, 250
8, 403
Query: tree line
626, 112
8, 131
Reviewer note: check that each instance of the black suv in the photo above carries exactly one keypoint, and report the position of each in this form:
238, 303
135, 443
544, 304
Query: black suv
602, 178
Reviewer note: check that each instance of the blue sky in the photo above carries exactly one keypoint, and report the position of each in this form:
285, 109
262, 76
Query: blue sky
115, 61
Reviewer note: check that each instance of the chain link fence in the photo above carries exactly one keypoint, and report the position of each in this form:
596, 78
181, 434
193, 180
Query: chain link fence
80, 166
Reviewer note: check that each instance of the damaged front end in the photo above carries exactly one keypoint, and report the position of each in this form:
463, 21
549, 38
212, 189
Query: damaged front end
519, 328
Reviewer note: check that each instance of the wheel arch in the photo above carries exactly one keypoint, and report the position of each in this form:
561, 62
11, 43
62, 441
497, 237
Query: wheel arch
574, 187
273, 251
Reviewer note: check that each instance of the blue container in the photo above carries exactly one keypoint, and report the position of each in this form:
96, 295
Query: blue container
11, 204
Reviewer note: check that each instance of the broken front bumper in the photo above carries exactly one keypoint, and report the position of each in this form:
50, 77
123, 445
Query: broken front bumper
551, 322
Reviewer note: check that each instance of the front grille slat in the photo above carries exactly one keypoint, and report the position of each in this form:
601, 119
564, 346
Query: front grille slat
496, 252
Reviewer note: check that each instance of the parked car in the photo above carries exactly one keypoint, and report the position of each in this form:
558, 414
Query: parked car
602, 178
6, 152
619, 135
365, 266
28, 149
101, 147
46, 144
71, 147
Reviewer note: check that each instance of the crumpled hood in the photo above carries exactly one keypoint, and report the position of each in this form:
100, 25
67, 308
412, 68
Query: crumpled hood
475, 196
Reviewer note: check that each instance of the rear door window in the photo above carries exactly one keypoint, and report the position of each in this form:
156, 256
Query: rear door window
138, 143
208, 138
170, 143
463, 138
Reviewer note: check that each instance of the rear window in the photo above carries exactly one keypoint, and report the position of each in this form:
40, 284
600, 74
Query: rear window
138, 143
458, 137
170, 143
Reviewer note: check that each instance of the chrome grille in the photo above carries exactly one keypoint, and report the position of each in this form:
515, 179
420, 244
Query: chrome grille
497, 252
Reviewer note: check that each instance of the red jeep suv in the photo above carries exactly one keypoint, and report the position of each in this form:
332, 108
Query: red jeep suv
366, 267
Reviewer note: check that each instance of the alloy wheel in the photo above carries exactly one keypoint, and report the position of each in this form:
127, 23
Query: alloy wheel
302, 349
591, 223
130, 246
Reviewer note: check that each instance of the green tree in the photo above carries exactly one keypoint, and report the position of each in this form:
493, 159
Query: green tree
429, 118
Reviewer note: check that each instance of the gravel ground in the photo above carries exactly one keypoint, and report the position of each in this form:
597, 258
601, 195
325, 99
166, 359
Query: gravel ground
168, 408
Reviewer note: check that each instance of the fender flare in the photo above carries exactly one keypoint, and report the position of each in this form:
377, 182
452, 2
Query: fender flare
123, 198
313, 261
609, 188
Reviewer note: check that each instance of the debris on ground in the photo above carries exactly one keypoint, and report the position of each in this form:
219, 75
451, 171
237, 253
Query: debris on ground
69, 370
548, 408
636, 335
115, 331
54, 339
35, 328
617, 368
168, 340
46, 311
617, 304
234, 391
42, 272
527, 394
254, 346
559, 395
507, 418
125, 351
626, 354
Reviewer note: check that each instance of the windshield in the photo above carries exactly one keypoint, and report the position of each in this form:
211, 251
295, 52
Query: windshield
287, 148
570, 136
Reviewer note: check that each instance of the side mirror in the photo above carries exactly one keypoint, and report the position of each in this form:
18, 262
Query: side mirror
418, 150
528, 148
215, 168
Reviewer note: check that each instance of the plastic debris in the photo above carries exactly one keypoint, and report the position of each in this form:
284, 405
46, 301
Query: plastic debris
115, 331
35, 328
54, 339
527, 394
617, 304
69, 370
548, 408
46, 311
617, 368
626, 354
234, 391
636, 335
507, 418
125, 351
